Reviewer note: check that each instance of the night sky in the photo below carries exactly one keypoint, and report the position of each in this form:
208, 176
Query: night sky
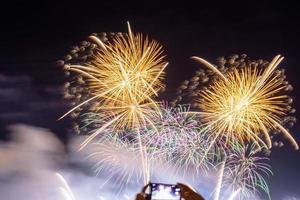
35, 35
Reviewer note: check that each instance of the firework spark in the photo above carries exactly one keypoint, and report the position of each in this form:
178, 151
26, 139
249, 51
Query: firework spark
218, 188
245, 103
119, 159
178, 138
246, 170
65, 189
234, 194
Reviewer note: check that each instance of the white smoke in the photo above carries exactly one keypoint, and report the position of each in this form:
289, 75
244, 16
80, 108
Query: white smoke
31, 158
29, 162
292, 197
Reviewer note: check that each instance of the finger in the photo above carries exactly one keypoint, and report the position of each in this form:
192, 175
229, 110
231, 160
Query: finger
186, 187
140, 197
193, 196
183, 187
185, 195
145, 187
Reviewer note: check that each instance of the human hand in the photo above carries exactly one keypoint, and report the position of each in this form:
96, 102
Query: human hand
187, 193
142, 195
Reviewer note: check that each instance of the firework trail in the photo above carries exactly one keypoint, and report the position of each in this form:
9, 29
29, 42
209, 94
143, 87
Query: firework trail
234, 194
245, 170
65, 189
220, 181
119, 159
241, 99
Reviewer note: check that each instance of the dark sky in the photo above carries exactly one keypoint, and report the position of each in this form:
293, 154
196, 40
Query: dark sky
35, 35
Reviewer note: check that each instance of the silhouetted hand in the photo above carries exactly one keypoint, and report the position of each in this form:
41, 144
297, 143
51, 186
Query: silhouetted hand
187, 193
142, 195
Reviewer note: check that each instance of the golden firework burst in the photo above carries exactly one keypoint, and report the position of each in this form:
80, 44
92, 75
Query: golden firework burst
244, 104
122, 77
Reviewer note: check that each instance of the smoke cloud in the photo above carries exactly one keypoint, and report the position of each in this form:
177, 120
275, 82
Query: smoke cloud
31, 159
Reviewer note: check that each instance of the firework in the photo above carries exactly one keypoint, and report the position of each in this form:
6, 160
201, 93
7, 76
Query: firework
178, 139
244, 101
245, 168
121, 77
119, 159
119, 80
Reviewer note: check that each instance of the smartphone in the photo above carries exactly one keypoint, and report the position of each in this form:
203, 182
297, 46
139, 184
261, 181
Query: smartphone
160, 191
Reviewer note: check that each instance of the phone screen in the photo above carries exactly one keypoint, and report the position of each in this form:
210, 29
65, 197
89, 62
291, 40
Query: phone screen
164, 192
